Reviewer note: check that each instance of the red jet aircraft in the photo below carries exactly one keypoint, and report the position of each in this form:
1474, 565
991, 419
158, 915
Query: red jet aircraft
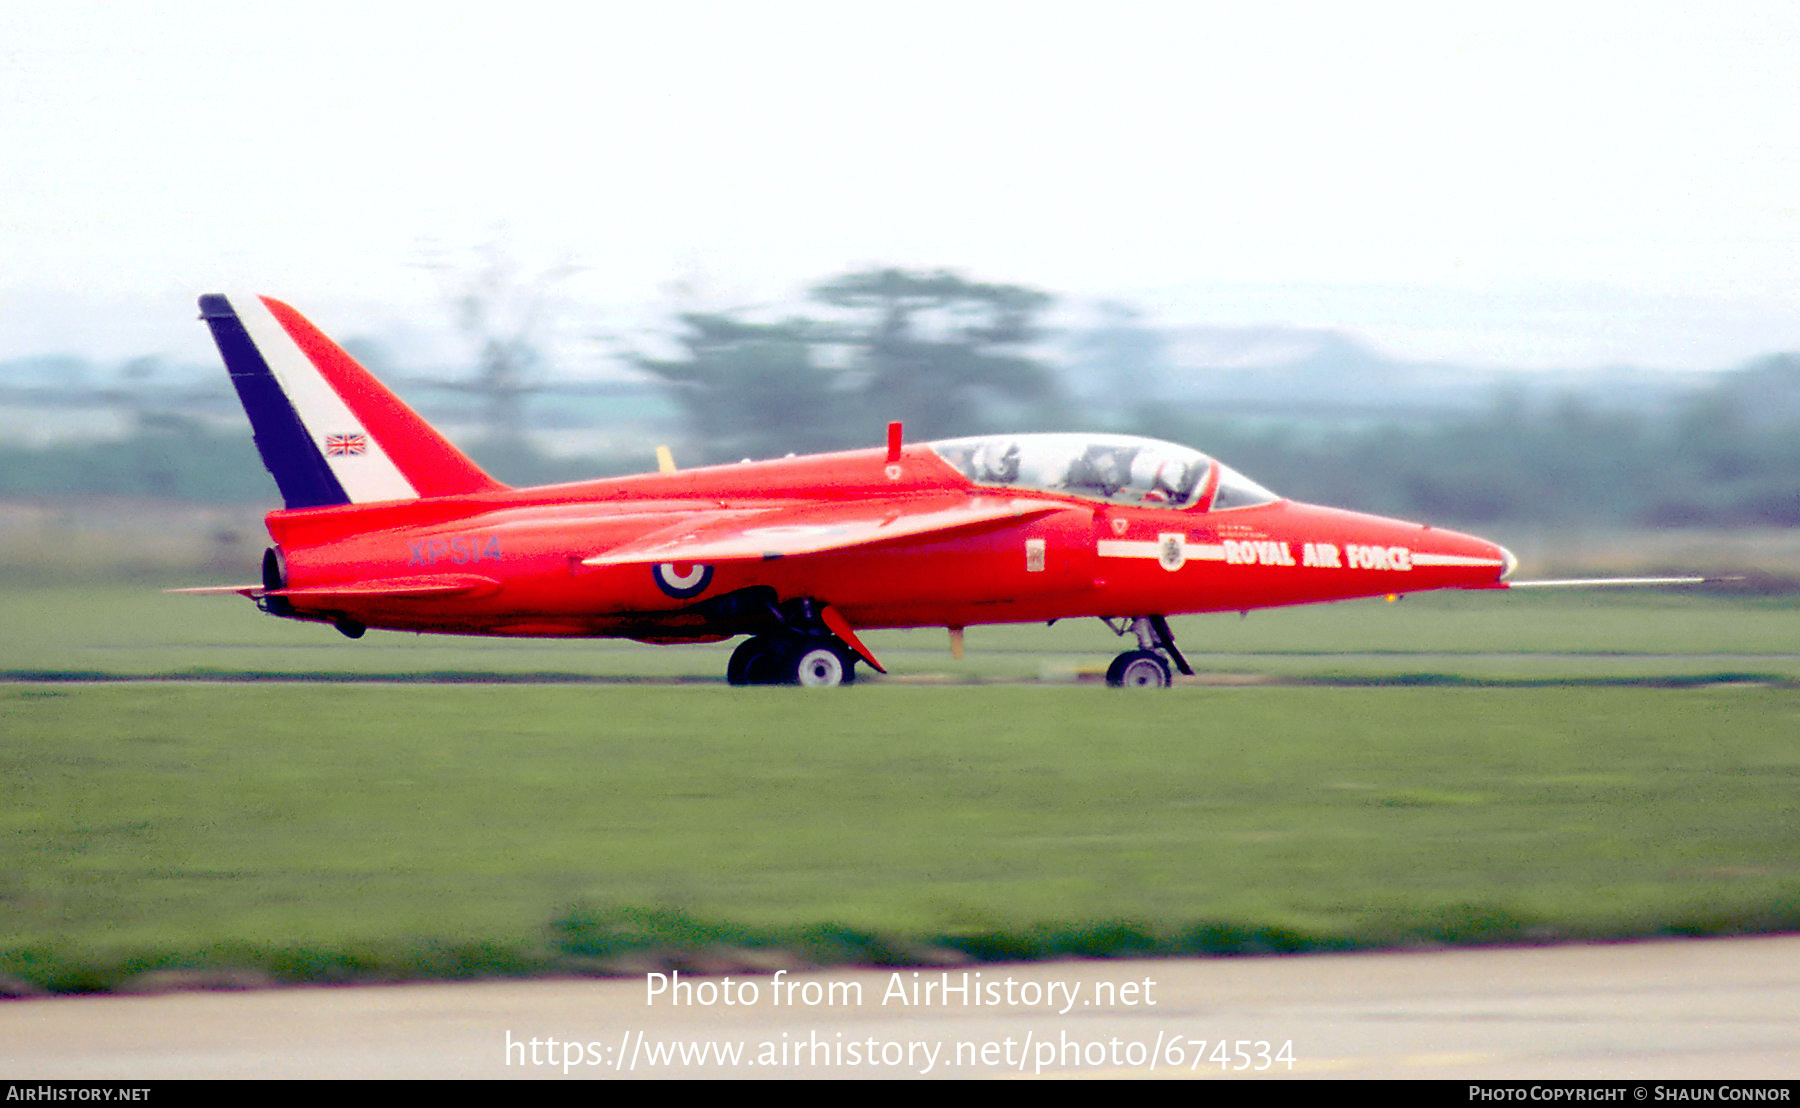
387, 524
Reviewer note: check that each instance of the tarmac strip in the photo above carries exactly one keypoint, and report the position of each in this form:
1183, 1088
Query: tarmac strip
1712, 1009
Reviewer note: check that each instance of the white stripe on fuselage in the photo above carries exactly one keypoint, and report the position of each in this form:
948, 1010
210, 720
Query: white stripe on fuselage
1195, 552
1419, 559
366, 477
1215, 552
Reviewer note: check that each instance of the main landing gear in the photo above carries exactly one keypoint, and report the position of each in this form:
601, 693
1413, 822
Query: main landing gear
1147, 667
812, 661
800, 642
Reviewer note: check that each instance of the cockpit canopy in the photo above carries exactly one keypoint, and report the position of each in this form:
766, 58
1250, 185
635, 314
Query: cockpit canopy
1120, 469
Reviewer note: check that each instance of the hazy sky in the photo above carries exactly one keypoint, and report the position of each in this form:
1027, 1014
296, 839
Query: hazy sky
1534, 184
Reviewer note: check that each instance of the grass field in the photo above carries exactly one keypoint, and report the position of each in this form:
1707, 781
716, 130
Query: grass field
1446, 769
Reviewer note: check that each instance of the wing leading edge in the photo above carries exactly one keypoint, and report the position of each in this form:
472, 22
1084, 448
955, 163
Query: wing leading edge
737, 535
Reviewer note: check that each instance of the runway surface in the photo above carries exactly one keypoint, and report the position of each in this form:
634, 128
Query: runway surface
1695, 1009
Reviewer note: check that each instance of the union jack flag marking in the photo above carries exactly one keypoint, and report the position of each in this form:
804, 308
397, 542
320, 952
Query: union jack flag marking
345, 445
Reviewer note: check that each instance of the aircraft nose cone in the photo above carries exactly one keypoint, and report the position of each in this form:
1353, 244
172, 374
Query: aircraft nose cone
1512, 563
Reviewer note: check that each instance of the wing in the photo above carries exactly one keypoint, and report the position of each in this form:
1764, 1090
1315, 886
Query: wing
790, 531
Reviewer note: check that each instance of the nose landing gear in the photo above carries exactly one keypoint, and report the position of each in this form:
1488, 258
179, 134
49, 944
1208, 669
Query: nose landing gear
1147, 667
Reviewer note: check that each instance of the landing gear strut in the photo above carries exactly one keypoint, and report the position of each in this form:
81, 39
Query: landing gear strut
1147, 667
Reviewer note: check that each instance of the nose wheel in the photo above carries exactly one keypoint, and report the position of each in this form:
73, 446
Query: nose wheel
1139, 669
1149, 666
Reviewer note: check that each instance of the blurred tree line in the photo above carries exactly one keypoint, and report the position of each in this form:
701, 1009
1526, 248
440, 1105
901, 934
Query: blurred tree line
953, 357
945, 355
1711, 462
950, 356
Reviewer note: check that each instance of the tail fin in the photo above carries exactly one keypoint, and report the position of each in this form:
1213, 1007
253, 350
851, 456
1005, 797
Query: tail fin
328, 431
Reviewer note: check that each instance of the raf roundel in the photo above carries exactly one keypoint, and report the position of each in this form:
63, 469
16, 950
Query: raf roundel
682, 585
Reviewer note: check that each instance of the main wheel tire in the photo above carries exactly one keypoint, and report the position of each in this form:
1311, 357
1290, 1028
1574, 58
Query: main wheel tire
757, 661
820, 664
1139, 669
